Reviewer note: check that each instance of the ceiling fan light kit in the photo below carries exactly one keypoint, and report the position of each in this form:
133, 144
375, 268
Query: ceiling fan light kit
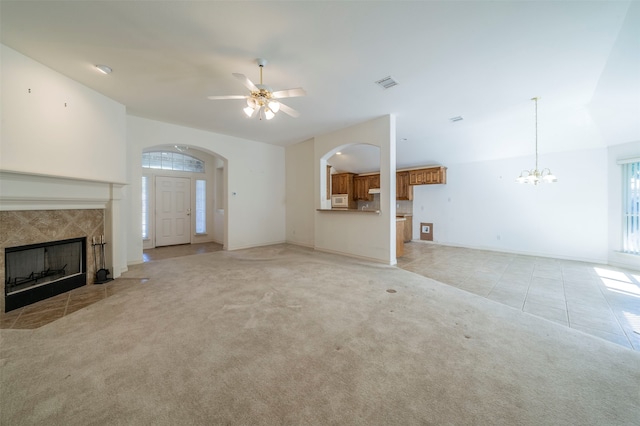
535, 176
262, 99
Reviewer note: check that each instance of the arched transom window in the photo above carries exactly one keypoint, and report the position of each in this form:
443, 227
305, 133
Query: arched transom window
167, 160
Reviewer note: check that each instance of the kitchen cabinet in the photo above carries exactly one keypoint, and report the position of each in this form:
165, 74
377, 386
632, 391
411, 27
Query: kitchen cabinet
404, 191
408, 228
407, 235
374, 181
342, 183
400, 223
362, 184
428, 176
361, 188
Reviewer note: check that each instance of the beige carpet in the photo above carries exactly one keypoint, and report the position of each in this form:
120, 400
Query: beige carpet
284, 335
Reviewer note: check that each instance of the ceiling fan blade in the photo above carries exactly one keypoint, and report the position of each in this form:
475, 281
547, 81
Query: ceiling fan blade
288, 110
289, 93
246, 82
213, 98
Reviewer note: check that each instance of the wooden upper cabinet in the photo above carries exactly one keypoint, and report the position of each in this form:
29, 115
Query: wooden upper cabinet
404, 191
374, 181
342, 183
361, 188
429, 176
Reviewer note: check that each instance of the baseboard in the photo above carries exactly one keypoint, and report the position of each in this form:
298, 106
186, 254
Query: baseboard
295, 243
522, 253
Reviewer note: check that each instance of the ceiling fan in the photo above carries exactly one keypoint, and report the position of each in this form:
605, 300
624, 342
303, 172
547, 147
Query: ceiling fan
262, 99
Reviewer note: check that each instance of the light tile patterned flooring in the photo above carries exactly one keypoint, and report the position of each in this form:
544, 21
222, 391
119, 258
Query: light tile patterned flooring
46, 311
596, 299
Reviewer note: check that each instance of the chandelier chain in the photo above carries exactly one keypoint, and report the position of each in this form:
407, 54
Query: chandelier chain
535, 176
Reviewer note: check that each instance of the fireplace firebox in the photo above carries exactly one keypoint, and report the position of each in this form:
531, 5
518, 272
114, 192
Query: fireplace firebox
38, 271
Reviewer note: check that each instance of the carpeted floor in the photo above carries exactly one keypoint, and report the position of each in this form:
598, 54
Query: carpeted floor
285, 335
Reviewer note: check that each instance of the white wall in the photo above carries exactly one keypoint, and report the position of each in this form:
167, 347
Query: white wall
482, 206
615, 153
364, 235
255, 173
86, 139
67, 144
300, 189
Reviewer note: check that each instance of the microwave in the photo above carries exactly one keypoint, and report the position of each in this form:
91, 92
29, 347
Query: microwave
340, 201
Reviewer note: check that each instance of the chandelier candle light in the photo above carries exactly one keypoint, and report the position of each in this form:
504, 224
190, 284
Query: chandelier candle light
535, 176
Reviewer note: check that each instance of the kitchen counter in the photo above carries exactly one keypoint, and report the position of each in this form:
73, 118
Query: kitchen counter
348, 211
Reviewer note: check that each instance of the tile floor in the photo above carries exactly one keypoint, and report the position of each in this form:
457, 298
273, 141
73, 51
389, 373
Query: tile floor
177, 251
596, 299
49, 310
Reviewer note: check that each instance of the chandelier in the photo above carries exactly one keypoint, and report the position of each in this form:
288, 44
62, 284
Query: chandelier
535, 176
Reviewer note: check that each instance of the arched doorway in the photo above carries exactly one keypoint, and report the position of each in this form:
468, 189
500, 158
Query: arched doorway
183, 196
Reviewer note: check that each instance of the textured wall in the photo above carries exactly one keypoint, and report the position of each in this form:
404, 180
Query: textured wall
18, 228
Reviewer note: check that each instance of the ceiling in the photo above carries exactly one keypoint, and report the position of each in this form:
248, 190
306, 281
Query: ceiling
482, 60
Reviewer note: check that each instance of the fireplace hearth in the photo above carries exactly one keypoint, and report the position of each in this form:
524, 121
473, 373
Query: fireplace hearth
38, 271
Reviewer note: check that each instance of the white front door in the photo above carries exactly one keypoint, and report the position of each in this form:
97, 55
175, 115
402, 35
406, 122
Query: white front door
173, 211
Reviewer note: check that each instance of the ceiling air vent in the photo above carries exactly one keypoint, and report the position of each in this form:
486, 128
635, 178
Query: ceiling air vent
387, 82
454, 119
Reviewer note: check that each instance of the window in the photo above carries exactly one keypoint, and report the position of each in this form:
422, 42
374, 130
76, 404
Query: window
631, 207
201, 206
145, 207
166, 160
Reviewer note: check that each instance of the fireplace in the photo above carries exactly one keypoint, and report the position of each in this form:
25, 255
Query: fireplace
36, 209
38, 271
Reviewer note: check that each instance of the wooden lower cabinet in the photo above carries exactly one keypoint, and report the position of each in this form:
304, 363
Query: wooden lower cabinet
400, 222
408, 229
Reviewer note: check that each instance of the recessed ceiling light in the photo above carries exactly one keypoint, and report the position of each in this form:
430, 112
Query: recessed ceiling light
104, 69
338, 153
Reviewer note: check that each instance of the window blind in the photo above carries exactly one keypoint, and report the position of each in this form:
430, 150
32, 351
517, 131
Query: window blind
631, 207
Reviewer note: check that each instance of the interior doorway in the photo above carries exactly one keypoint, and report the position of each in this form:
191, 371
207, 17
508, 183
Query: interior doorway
196, 215
173, 211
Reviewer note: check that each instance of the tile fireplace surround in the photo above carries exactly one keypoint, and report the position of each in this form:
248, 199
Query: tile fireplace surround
22, 227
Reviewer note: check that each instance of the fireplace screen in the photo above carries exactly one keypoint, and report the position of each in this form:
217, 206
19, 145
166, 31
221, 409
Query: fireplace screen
35, 265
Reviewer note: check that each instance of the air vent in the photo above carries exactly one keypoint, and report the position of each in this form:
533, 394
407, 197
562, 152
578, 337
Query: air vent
387, 82
454, 119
